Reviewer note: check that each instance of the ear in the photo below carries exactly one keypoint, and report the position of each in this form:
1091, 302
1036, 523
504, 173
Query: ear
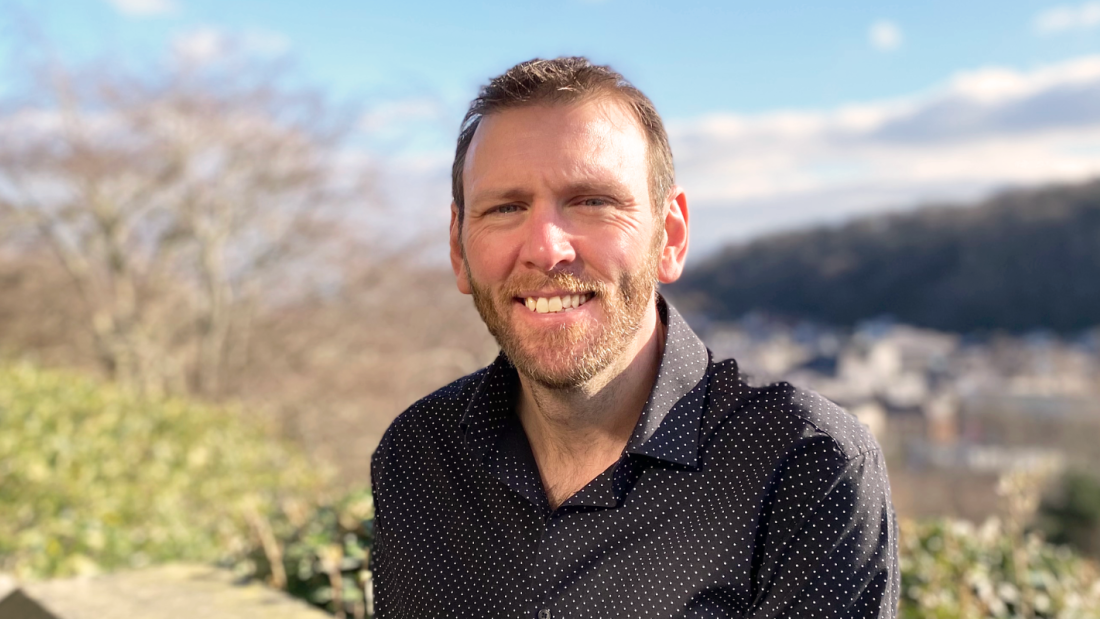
457, 262
674, 252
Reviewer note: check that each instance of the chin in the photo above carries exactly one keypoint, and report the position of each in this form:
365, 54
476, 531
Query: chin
556, 378
570, 365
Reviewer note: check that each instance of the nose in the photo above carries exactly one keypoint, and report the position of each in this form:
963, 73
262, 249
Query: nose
547, 243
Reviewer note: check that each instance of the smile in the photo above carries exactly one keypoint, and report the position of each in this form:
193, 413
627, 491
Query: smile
551, 305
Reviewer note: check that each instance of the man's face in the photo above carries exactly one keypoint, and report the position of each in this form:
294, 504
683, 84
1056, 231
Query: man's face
560, 246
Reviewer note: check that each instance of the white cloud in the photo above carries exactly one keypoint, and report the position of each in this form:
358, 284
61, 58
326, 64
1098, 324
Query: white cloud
199, 45
979, 130
144, 8
207, 43
265, 42
387, 115
419, 127
746, 175
1062, 18
884, 35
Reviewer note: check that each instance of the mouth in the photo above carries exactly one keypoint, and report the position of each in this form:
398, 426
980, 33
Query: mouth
555, 304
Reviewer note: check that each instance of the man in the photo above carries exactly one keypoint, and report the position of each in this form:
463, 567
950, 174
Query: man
604, 465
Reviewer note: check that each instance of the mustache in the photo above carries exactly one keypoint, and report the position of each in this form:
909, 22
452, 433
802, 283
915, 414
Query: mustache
567, 282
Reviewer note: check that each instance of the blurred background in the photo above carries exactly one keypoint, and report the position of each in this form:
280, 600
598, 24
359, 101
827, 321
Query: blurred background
223, 265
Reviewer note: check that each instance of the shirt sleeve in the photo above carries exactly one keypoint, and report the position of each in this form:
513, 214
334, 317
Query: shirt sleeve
378, 565
828, 540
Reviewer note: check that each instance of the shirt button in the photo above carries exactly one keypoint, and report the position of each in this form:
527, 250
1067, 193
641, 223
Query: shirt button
544, 613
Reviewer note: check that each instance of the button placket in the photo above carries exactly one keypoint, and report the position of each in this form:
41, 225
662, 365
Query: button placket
537, 575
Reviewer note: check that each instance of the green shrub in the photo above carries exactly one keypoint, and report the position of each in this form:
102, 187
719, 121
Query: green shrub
325, 558
94, 477
1071, 516
951, 569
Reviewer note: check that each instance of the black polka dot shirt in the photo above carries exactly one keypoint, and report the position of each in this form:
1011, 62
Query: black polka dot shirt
728, 501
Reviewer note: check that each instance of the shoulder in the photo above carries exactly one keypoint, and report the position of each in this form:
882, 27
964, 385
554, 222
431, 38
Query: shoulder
430, 419
794, 413
821, 416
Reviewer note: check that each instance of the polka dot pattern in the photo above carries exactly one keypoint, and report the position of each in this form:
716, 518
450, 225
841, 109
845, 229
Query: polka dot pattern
728, 501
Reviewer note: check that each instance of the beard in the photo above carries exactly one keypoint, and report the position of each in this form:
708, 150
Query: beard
570, 355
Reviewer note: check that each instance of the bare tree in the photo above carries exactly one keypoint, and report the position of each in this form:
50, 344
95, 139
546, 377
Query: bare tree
204, 230
176, 203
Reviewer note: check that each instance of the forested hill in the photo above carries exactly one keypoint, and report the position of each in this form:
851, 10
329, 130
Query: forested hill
1021, 260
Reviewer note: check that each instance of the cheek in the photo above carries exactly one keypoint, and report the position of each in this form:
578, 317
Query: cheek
622, 251
626, 239
603, 256
490, 257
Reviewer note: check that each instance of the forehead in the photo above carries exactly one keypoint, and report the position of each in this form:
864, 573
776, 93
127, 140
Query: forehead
550, 143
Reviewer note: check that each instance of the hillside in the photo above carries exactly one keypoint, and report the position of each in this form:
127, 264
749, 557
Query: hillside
1018, 261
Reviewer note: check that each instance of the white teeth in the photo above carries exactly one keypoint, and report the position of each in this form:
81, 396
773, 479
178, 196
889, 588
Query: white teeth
549, 305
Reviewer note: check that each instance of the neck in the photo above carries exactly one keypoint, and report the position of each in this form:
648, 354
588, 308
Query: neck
575, 434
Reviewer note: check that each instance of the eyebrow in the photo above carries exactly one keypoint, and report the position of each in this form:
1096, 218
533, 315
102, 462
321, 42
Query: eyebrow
516, 194
505, 195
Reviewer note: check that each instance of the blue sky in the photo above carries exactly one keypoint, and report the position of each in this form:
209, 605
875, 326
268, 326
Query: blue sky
782, 114
691, 57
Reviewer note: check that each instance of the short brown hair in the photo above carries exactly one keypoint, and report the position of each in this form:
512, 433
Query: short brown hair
562, 81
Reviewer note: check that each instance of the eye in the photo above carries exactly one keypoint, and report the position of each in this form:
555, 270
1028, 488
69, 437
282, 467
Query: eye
504, 209
594, 202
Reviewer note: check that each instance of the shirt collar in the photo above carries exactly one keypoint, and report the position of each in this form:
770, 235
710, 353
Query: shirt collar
667, 429
491, 405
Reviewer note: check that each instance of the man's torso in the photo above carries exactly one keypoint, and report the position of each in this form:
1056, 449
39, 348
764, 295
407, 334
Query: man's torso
706, 515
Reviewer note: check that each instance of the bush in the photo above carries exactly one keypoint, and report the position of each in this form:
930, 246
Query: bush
1071, 516
95, 477
324, 559
950, 569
